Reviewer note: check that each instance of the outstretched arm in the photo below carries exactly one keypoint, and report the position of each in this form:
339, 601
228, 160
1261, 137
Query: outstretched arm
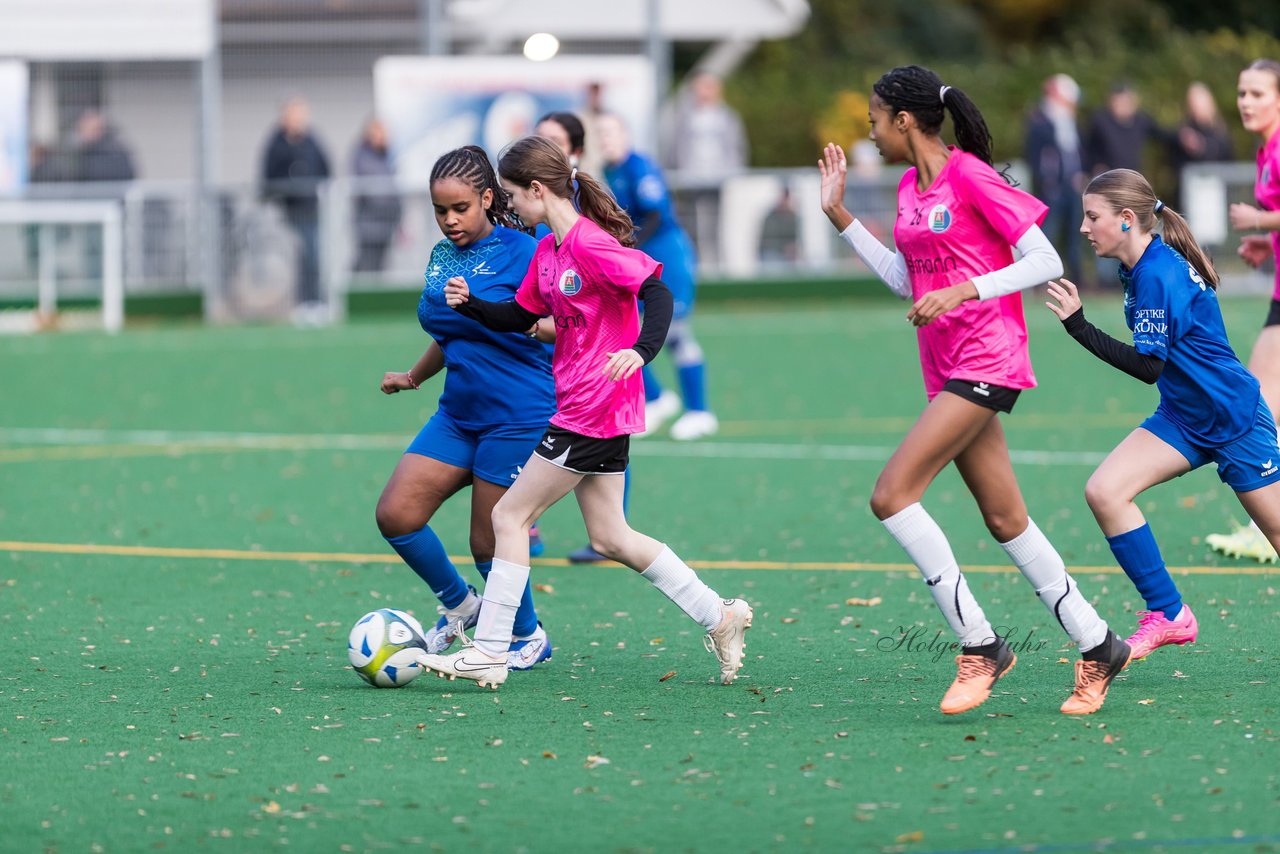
1116, 353
888, 265
498, 316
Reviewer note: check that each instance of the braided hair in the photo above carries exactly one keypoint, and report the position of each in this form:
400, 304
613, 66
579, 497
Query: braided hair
920, 92
471, 166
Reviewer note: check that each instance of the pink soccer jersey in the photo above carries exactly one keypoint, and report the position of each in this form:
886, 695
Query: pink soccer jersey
589, 284
1267, 192
962, 226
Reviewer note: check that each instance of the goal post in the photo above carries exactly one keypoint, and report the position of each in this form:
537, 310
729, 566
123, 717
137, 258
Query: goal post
45, 216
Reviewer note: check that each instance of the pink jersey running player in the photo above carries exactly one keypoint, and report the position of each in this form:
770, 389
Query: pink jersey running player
1258, 99
589, 282
957, 221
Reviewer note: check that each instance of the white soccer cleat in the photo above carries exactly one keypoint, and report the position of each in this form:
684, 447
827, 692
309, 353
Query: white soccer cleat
452, 623
658, 412
695, 424
728, 640
469, 663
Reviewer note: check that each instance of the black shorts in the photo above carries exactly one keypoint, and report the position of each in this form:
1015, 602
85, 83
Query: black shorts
995, 397
1273, 316
583, 454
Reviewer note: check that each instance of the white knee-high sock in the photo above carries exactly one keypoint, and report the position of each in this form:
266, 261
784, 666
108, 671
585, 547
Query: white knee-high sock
503, 590
927, 546
675, 580
1040, 563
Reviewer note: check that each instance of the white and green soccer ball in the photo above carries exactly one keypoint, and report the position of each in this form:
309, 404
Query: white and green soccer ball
384, 646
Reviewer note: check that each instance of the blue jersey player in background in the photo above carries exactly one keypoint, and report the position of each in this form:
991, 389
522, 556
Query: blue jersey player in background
1211, 409
638, 185
498, 395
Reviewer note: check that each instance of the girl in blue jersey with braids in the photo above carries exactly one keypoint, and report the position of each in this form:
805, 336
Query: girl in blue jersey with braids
641, 191
1211, 409
498, 395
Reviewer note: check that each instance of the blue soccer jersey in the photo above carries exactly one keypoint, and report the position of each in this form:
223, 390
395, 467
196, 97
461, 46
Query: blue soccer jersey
641, 191
1174, 316
491, 377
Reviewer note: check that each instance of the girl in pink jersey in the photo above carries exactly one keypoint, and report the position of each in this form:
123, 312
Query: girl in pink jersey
957, 221
1258, 99
588, 281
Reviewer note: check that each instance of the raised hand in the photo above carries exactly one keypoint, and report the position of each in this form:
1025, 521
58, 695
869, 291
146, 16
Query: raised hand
1067, 296
834, 167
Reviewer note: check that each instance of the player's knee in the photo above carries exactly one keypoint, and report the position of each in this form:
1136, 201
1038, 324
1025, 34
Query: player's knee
1005, 525
396, 520
1101, 496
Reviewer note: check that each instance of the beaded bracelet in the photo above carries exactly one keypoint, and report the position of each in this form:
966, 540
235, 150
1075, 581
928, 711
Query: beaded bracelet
409, 376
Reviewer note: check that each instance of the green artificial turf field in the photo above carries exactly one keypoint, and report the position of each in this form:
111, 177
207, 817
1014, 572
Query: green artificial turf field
187, 526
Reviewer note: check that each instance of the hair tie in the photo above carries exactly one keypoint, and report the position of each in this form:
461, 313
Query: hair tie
1159, 207
573, 185
573, 174
942, 93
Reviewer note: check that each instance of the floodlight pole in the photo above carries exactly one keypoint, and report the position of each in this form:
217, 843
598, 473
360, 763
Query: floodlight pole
208, 141
658, 49
434, 37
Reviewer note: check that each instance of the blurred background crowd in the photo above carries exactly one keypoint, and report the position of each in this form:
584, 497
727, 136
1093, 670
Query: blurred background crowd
269, 157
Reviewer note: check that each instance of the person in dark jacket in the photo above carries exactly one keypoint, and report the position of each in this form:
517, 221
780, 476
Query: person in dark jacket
377, 209
100, 155
293, 167
1055, 156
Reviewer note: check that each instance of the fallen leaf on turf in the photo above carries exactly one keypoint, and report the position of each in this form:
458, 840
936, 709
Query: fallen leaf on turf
547, 754
913, 836
788, 619
271, 807
1145, 702
1107, 739
666, 676
544, 588
1178, 674
872, 602
1064, 661
596, 761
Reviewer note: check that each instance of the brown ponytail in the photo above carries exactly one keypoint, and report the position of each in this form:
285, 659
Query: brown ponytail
1125, 188
536, 159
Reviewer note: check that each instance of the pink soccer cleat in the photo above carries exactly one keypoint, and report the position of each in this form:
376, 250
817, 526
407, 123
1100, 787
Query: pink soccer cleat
1156, 630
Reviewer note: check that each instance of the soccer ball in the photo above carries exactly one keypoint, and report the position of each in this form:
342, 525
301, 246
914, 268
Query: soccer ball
384, 646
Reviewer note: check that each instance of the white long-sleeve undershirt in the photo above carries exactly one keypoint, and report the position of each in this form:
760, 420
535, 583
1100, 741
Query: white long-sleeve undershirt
1038, 263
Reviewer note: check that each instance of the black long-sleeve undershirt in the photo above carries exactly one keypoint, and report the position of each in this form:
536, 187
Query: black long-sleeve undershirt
1116, 353
513, 317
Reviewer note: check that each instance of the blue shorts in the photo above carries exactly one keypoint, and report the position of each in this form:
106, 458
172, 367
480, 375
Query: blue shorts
674, 251
493, 454
1250, 462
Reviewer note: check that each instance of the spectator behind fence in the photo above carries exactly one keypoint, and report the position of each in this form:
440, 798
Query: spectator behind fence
1055, 157
1119, 132
1202, 137
377, 205
780, 232
293, 166
99, 153
708, 145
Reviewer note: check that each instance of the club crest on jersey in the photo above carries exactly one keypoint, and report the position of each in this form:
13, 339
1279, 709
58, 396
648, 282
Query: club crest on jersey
570, 284
939, 219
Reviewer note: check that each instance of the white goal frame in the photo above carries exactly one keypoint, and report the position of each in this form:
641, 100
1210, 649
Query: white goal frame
104, 214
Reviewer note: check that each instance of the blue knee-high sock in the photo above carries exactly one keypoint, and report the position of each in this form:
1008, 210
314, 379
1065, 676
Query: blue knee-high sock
652, 388
425, 554
1139, 557
693, 386
526, 616
626, 490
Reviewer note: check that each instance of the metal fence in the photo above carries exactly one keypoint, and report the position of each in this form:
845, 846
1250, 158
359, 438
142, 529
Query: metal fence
248, 259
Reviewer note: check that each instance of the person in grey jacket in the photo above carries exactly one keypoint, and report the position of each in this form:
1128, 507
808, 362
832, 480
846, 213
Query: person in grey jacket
377, 205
